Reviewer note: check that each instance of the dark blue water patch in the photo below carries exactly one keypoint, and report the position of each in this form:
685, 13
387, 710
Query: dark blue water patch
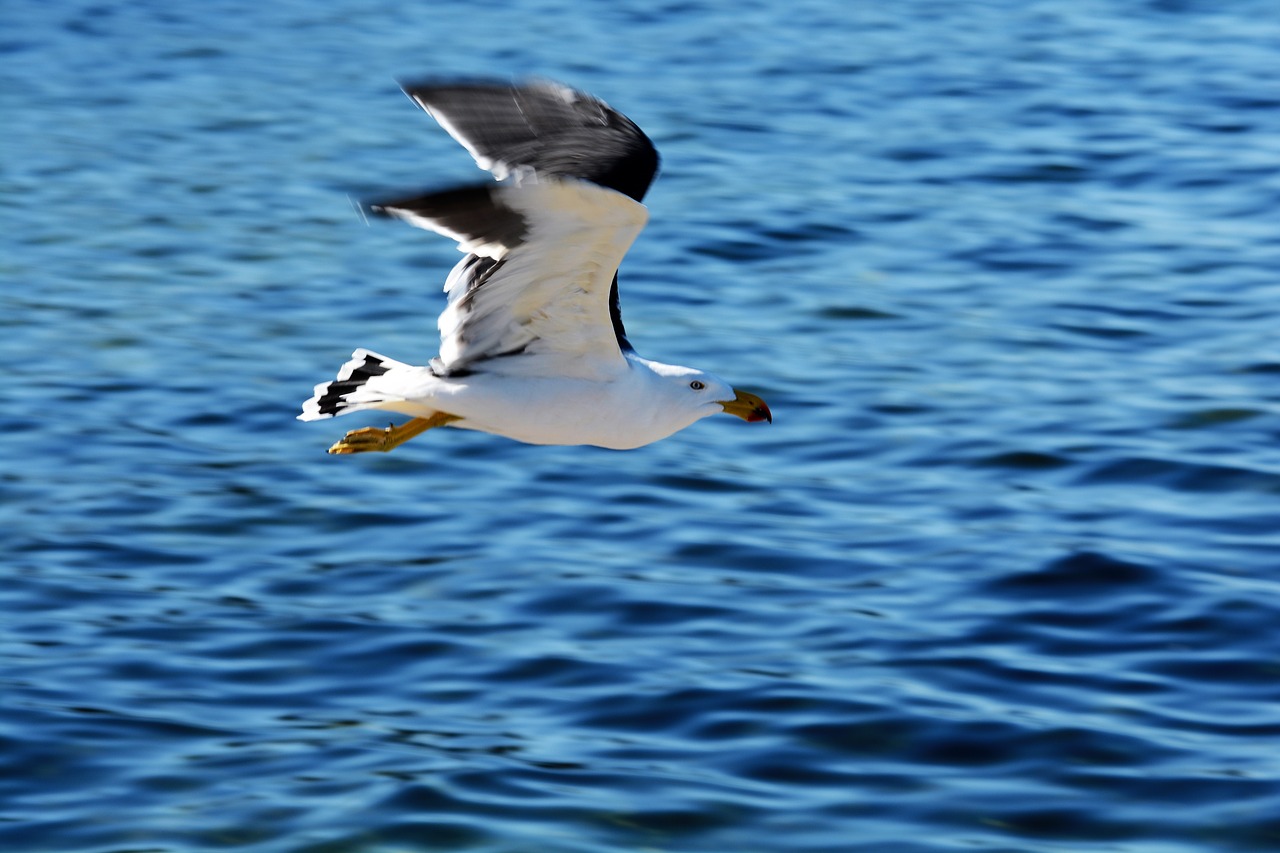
1084, 573
1049, 172
198, 53
1182, 476
673, 711
617, 614
1067, 824
1009, 259
1213, 418
854, 312
426, 835
912, 155
1091, 223
751, 557
737, 250
1024, 460
557, 671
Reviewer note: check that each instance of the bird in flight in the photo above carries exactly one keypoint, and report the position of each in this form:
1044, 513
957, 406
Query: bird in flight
532, 345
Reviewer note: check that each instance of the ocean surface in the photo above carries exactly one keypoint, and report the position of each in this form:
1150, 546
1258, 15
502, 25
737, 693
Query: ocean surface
1003, 575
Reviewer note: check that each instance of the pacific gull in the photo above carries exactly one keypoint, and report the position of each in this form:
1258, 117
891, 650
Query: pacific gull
532, 345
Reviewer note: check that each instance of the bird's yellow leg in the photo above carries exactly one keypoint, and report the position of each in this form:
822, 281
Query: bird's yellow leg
373, 438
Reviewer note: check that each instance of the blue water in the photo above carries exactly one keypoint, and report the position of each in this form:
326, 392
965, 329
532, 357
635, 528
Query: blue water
1004, 574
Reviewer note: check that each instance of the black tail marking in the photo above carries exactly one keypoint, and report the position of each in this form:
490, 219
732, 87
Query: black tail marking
333, 399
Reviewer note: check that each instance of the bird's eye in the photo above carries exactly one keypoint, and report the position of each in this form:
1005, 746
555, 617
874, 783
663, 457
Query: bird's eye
696, 385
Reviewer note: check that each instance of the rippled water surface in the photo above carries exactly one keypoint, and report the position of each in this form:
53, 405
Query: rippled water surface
1001, 576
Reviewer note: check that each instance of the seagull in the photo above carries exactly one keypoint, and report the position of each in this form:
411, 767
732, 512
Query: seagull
532, 345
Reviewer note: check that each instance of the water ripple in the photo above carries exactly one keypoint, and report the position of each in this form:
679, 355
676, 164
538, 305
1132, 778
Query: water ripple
1000, 576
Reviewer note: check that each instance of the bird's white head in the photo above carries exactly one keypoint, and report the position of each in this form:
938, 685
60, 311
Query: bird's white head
698, 394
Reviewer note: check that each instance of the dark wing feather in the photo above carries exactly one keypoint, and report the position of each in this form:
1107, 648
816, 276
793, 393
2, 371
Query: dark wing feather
474, 216
546, 127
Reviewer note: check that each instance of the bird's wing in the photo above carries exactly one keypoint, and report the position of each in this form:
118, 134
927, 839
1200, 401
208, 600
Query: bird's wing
543, 127
548, 130
542, 256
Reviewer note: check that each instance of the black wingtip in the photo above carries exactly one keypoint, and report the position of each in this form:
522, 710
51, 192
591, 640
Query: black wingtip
551, 127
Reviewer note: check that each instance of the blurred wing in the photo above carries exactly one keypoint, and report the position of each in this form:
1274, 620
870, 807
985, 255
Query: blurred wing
543, 127
542, 257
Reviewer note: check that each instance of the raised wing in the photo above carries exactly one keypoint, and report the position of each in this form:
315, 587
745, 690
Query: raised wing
549, 130
543, 127
542, 256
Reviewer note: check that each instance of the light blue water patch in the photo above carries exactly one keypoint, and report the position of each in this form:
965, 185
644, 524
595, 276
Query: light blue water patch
1001, 576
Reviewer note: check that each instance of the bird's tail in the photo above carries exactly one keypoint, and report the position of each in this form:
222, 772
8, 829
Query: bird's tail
350, 392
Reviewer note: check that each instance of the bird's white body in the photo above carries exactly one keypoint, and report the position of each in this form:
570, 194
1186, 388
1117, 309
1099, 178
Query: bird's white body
643, 402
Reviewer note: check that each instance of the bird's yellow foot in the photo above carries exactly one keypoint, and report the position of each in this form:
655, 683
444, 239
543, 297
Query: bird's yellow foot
364, 440
368, 439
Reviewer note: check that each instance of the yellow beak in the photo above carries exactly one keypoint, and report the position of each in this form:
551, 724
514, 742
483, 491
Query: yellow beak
749, 407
